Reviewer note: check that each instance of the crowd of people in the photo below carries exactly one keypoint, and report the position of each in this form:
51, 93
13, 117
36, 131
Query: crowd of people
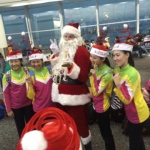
63, 85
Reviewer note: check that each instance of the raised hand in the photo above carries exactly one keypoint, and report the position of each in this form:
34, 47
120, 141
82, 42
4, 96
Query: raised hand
93, 71
28, 79
54, 46
117, 79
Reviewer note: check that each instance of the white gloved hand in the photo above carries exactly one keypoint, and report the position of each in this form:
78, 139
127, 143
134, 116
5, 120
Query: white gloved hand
54, 46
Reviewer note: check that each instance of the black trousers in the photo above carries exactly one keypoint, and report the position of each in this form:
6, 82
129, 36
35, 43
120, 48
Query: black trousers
104, 126
22, 116
135, 136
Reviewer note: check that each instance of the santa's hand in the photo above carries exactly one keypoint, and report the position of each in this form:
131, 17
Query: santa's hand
54, 46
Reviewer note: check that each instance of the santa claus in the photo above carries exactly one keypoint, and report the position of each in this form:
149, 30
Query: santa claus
70, 67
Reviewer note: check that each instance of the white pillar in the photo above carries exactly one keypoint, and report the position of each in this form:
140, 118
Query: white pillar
28, 23
97, 18
3, 41
137, 16
61, 15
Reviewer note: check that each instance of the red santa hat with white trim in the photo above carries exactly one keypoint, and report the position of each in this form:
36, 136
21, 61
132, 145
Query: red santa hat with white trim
14, 54
99, 50
50, 129
123, 47
72, 28
35, 55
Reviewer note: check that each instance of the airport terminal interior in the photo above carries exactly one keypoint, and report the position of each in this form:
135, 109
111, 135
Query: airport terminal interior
28, 23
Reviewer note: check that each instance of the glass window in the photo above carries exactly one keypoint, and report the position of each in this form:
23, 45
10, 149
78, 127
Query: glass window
145, 9
14, 21
116, 11
114, 30
82, 12
44, 18
20, 42
43, 38
89, 33
145, 27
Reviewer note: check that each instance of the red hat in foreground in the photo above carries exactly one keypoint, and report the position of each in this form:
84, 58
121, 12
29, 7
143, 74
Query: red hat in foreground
50, 129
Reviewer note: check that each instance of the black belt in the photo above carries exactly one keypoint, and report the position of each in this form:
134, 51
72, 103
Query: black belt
68, 80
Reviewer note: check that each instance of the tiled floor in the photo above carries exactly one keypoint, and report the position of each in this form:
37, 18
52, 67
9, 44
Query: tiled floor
9, 137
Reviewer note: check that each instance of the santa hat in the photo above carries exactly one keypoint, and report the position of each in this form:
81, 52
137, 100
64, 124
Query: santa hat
14, 54
100, 40
128, 37
123, 47
50, 129
35, 55
72, 28
99, 50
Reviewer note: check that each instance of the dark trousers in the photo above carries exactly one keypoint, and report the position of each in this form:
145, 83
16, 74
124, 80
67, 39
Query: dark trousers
135, 136
104, 126
22, 116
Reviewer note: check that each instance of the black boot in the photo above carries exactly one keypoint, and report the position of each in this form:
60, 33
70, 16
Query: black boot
88, 146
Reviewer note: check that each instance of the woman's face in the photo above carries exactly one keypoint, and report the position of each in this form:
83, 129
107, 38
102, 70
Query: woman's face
120, 58
37, 64
96, 60
15, 64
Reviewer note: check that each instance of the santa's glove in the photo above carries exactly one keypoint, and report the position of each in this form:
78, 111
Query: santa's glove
54, 48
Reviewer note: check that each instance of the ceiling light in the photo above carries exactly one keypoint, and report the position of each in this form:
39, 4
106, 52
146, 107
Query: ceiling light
19, 4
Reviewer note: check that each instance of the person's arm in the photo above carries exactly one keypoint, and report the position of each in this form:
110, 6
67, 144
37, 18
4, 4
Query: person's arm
99, 85
30, 85
80, 69
126, 90
6, 94
2, 63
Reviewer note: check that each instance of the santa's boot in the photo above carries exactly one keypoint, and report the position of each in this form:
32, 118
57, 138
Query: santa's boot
88, 146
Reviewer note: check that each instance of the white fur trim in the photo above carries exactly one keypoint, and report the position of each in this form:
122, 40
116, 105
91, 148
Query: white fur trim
87, 139
17, 56
35, 56
80, 148
34, 140
123, 47
100, 53
71, 30
70, 100
74, 72
54, 60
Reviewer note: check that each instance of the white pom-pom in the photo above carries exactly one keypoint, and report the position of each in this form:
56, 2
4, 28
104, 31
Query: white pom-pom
34, 140
23, 33
9, 38
104, 28
125, 26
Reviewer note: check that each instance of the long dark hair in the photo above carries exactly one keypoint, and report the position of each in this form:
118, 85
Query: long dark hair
106, 61
130, 59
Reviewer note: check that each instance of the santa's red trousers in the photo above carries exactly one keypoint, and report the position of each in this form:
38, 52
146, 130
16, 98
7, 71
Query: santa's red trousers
80, 116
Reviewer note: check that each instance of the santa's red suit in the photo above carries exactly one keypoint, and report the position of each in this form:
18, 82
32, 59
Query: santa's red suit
72, 94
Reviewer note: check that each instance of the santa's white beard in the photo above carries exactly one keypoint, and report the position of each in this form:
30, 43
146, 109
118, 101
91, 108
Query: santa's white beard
71, 47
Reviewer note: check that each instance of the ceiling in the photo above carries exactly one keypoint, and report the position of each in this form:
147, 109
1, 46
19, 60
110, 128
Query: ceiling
15, 3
